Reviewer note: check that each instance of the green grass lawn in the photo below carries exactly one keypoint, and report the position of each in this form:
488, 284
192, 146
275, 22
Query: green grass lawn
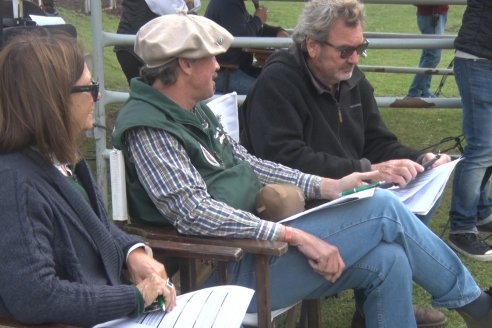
415, 127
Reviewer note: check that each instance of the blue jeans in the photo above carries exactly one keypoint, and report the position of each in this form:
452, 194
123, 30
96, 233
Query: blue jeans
430, 58
239, 80
471, 186
384, 247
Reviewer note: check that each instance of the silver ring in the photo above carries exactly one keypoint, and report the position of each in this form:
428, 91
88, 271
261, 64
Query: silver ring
169, 284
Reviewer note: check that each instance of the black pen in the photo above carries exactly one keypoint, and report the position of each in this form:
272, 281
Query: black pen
428, 165
386, 185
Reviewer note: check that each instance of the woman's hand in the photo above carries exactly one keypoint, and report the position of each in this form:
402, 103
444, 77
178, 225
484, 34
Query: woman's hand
154, 286
140, 266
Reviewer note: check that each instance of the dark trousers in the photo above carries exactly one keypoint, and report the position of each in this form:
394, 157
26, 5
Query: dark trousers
129, 62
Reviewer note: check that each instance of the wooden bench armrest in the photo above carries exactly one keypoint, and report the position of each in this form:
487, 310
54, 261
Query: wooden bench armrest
194, 251
263, 247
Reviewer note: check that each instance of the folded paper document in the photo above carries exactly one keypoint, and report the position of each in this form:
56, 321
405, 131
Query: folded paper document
339, 201
422, 193
419, 195
215, 307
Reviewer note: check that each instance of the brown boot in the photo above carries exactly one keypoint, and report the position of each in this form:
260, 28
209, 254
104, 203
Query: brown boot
426, 318
429, 318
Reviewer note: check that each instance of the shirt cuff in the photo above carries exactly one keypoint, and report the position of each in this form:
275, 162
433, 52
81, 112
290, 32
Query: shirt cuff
365, 165
317, 187
147, 249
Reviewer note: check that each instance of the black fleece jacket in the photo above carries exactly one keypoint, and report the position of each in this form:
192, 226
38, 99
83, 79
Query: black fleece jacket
234, 17
475, 34
287, 119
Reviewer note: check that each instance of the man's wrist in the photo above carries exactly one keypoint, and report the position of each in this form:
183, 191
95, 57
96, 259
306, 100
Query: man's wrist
291, 236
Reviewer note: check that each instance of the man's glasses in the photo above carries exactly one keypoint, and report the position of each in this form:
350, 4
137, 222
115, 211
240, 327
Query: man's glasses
346, 52
93, 88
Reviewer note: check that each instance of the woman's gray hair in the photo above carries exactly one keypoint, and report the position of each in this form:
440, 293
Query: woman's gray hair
167, 73
319, 16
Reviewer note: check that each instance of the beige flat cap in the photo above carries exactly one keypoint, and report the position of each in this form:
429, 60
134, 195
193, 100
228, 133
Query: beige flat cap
188, 36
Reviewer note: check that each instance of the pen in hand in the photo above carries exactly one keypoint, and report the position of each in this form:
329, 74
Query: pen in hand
162, 302
379, 184
358, 189
428, 165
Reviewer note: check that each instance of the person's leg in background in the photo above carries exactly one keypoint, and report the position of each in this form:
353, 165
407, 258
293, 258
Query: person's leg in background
48, 7
229, 80
470, 204
429, 58
129, 62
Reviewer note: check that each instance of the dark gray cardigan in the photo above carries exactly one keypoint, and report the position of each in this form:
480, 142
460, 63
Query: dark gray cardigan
60, 259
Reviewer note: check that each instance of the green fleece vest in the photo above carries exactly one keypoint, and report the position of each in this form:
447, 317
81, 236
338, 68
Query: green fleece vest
228, 179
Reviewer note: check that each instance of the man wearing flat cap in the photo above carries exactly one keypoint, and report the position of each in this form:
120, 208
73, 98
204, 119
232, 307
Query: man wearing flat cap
184, 171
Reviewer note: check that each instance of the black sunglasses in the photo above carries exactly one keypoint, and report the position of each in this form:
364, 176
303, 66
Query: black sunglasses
346, 52
93, 88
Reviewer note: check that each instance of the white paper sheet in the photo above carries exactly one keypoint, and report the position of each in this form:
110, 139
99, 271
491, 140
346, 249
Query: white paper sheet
47, 20
225, 109
339, 201
215, 307
421, 194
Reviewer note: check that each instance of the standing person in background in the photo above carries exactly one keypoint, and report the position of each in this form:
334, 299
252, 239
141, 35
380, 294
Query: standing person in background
62, 261
48, 7
430, 20
237, 71
470, 205
136, 13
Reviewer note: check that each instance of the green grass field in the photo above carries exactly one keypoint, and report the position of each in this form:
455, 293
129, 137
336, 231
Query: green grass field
415, 127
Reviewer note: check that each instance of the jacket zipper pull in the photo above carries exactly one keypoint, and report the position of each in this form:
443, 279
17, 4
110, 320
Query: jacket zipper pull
337, 98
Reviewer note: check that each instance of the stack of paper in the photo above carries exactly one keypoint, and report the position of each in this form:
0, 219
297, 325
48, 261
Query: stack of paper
215, 307
421, 194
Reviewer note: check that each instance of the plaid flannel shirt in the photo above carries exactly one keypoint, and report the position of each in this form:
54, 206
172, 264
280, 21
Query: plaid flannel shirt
180, 193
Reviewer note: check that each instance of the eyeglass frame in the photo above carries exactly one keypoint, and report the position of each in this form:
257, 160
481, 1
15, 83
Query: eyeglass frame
346, 52
93, 88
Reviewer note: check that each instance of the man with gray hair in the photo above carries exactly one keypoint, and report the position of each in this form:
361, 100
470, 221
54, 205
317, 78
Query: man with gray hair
312, 109
185, 171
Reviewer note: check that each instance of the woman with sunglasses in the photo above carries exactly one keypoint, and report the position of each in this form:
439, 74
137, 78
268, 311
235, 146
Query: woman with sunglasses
61, 260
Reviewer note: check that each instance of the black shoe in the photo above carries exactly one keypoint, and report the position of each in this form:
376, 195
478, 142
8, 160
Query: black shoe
470, 245
487, 227
484, 322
